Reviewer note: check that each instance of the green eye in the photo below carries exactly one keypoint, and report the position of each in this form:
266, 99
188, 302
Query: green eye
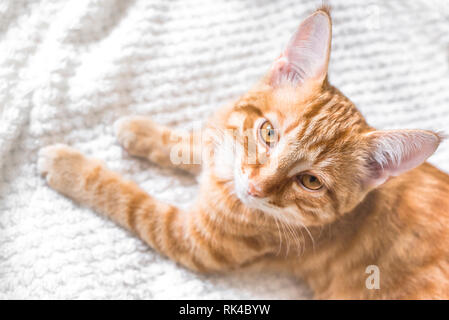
267, 133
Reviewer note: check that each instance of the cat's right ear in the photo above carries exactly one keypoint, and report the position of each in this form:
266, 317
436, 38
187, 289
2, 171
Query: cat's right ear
306, 57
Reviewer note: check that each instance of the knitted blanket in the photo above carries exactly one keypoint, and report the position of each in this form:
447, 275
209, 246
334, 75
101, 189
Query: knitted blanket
69, 69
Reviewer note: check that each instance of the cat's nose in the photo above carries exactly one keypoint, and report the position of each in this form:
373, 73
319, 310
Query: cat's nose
254, 191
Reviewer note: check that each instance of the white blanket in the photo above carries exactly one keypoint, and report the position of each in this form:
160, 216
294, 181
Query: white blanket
68, 69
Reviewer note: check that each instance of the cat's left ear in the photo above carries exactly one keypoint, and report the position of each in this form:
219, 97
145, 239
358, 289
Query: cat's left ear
306, 56
391, 153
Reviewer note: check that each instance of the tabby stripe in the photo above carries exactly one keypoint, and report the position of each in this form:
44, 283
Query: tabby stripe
251, 242
168, 240
292, 126
328, 142
335, 202
249, 109
133, 207
152, 228
91, 180
310, 117
198, 265
315, 109
206, 244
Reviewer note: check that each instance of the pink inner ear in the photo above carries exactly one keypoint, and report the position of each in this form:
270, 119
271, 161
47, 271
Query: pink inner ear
307, 53
398, 151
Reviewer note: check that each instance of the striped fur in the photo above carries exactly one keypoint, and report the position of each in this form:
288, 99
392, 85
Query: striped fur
327, 237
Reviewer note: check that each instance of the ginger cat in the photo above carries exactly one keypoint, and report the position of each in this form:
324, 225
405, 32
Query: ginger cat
291, 176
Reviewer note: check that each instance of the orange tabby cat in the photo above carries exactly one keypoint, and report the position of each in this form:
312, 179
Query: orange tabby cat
291, 174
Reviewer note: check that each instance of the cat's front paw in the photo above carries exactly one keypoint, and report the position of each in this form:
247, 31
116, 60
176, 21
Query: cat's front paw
52, 157
62, 166
138, 135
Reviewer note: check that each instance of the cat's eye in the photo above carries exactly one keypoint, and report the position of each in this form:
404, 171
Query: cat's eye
267, 133
310, 182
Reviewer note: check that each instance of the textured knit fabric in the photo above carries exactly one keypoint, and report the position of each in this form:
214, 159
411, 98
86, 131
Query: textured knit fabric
69, 69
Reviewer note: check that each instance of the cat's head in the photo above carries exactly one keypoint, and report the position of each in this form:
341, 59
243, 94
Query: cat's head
304, 152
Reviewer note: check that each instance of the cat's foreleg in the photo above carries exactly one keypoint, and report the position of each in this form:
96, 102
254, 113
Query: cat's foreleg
142, 137
167, 229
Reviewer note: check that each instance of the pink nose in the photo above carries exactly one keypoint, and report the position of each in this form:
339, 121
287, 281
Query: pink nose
254, 191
